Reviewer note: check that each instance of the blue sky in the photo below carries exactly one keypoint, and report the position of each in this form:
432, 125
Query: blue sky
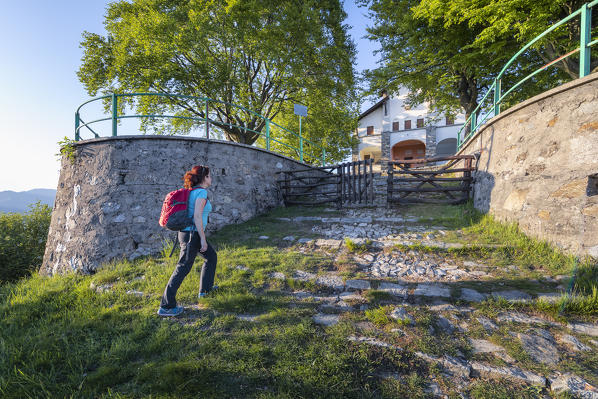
39, 43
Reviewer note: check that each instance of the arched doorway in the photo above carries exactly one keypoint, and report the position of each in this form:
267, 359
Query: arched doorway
408, 149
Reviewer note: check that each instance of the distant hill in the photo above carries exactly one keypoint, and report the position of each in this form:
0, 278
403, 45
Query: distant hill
19, 201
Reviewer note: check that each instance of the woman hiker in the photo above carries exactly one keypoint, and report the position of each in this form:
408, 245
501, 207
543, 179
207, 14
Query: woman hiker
193, 240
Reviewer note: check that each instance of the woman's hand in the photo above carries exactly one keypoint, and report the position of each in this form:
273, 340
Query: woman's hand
204, 245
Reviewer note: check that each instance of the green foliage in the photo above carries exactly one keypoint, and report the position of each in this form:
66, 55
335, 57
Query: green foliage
379, 316
503, 389
67, 149
523, 20
520, 249
449, 53
586, 278
352, 246
23, 241
263, 55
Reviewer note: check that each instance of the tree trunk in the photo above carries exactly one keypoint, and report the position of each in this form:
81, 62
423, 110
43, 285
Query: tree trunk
467, 90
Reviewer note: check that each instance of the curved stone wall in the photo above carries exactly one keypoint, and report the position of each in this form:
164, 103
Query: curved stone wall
538, 166
109, 199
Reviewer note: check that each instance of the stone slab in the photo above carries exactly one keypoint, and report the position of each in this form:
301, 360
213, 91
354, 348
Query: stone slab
326, 319
432, 290
470, 295
358, 284
393, 289
540, 347
454, 365
574, 385
486, 370
303, 275
584, 328
373, 342
328, 243
512, 295
331, 281
574, 343
400, 314
488, 324
516, 317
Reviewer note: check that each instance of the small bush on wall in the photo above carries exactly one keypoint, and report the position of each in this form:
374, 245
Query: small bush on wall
23, 241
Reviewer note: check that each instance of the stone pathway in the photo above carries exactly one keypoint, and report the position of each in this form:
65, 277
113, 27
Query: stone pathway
426, 304
423, 286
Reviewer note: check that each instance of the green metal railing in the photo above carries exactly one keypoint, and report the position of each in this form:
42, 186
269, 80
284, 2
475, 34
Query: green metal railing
267, 135
585, 42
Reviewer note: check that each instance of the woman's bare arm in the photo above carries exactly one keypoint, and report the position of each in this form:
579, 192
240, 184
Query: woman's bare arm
200, 203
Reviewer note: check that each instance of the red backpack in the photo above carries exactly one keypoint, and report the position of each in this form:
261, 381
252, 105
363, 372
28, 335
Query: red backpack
174, 214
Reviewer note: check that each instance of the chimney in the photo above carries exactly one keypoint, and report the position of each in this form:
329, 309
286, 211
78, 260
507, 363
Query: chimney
383, 93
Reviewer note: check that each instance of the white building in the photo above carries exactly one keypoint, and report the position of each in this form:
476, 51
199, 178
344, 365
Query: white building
392, 130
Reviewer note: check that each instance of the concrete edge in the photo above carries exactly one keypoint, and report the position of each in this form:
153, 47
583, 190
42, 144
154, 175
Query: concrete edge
180, 138
557, 90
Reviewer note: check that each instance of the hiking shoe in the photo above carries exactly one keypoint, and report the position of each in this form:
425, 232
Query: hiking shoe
202, 294
170, 312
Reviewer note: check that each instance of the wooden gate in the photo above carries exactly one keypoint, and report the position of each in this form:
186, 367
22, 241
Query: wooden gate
425, 181
343, 184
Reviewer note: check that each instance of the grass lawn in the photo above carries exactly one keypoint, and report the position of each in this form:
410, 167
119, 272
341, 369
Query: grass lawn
99, 336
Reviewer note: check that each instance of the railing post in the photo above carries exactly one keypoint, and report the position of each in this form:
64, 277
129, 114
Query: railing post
584, 39
473, 123
207, 122
496, 96
459, 138
114, 114
77, 119
267, 134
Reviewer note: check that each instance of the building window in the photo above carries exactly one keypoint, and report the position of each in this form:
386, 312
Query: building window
366, 156
420, 122
370, 130
407, 125
395, 126
450, 120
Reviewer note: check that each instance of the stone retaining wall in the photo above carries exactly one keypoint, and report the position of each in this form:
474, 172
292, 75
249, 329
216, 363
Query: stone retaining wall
109, 199
539, 166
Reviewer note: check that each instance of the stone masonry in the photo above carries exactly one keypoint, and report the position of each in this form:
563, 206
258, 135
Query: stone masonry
430, 141
539, 166
109, 199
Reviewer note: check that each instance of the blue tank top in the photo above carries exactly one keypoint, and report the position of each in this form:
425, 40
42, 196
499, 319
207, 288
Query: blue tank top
195, 194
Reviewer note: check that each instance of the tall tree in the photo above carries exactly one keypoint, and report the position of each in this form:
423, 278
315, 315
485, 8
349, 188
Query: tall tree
521, 19
260, 54
450, 52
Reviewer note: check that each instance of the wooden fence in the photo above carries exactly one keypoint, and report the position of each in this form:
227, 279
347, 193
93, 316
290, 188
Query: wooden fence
343, 184
430, 180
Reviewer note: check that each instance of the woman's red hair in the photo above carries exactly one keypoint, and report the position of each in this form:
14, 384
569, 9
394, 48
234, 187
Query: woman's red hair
195, 176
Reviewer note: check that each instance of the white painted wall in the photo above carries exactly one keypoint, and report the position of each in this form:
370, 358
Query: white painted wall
370, 141
398, 113
373, 119
413, 134
447, 132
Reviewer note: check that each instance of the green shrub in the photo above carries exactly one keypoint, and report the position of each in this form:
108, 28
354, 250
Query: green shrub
23, 241
352, 246
586, 279
379, 316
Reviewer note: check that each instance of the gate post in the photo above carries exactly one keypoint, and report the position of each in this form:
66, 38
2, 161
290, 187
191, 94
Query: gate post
389, 184
339, 184
373, 189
